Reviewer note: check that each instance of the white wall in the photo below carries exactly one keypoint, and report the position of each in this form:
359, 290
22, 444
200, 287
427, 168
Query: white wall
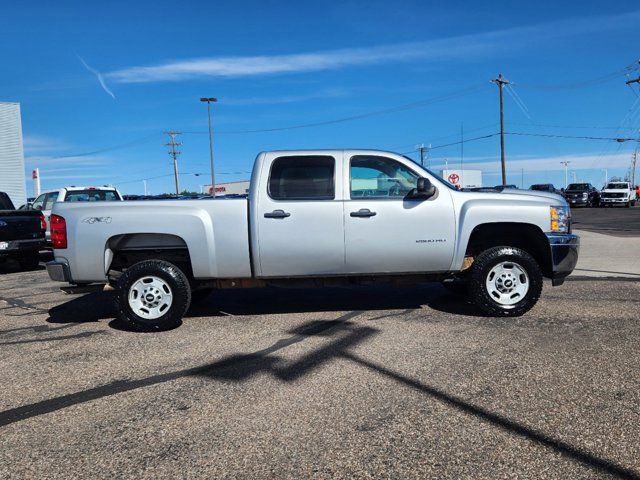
12, 179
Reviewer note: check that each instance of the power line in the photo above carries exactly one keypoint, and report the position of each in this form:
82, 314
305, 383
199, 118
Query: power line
385, 111
466, 140
583, 84
109, 149
549, 135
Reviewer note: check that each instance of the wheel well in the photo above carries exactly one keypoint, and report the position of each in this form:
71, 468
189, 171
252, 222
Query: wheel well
524, 236
122, 251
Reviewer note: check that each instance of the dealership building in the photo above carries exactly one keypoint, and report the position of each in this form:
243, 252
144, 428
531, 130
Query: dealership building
12, 180
230, 188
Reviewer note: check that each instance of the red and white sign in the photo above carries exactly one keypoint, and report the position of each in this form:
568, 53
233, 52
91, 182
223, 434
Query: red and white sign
454, 178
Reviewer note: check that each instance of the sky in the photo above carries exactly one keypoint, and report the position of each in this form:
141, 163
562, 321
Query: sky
100, 82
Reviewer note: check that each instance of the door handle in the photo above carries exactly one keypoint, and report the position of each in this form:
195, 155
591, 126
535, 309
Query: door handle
277, 214
363, 212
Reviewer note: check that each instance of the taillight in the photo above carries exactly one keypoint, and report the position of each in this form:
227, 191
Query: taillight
43, 222
58, 232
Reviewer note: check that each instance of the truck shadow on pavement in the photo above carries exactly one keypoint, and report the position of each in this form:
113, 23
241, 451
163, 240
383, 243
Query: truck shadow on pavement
342, 335
97, 306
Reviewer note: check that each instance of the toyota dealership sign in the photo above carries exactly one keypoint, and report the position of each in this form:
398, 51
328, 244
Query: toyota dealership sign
463, 178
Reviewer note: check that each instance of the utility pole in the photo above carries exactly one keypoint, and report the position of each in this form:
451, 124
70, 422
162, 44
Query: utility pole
606, 176
208, 100
423, 149
461, 146
566, 172
144, 183
174, 155
634, 159
501, 82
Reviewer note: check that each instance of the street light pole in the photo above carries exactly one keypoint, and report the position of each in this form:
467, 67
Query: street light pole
566, 172
213, 177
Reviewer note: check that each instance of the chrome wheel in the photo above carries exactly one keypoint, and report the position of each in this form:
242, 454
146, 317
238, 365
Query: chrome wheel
507, 283
150, 297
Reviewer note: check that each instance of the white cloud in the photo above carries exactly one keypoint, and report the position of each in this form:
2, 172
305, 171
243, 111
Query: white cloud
465, 47
98, 76
41, 144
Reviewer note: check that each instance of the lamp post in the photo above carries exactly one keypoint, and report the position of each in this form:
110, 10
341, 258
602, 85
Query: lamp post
208, 100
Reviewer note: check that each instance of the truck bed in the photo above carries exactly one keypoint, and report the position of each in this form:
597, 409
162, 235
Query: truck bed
214, 231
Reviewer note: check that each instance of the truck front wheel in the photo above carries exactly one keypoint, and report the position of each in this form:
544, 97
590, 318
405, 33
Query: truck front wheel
153, 295
505, 282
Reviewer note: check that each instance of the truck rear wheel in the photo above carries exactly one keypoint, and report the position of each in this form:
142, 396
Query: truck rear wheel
153, 295
505, 282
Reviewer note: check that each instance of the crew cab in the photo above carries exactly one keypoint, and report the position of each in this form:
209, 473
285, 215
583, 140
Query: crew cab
21, 234
44, 202
618, 193
315, 218
582, 194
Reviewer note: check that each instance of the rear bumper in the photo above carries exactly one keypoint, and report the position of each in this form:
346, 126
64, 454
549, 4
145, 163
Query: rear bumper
16, 247
59, 271
564, 255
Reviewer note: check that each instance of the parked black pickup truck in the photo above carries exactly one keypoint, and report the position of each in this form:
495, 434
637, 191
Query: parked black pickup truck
22, 233
582, 194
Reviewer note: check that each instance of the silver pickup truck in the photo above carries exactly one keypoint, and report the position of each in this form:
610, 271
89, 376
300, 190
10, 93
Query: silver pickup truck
315, 218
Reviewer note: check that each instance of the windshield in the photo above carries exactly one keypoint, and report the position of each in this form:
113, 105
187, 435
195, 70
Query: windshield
617, 186
578, 186
92, 196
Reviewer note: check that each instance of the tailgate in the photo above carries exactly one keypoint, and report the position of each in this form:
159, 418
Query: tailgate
20, 225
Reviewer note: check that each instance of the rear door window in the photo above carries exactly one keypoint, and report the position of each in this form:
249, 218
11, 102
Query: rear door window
309, 177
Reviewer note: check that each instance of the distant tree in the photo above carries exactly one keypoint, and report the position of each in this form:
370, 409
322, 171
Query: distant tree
187, 193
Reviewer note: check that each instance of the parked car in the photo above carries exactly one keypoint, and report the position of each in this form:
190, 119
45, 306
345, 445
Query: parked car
45, 201
618, 193
307, 222
582, 194
543, 187
21, 234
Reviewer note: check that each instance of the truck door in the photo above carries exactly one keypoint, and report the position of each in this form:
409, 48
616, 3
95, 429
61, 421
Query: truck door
385, 231
298, 216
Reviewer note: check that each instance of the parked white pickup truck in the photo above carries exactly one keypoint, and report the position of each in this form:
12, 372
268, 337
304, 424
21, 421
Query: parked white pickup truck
317, 218
618, 193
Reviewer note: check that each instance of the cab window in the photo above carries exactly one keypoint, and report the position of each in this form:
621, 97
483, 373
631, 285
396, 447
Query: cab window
308, 177
380, 177
51, 198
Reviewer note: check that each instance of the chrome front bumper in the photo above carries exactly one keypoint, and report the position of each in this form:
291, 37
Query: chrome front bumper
564, 255
58, 271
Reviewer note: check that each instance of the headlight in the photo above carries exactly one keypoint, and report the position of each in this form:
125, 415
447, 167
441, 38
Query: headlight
585, 195
560, 219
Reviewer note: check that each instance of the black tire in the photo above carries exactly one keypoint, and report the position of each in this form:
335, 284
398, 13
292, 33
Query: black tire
481, 269
29, 261
175, 279
628, 205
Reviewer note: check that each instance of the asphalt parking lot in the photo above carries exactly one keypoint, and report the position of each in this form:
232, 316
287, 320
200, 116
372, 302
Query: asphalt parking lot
333, 383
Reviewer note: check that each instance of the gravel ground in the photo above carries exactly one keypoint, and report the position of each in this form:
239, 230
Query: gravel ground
334, 383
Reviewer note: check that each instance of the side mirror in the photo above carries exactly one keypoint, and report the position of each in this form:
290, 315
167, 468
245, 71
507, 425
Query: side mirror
424, 189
